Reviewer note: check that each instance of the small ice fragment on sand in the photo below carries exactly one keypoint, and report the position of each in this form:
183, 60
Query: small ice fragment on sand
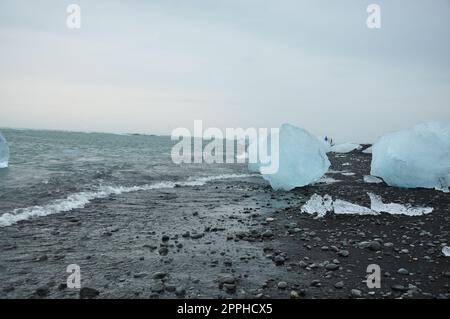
327, 180
323, 205
347, 173
318, 204
346, 164
345, 148
368, 150
377, 205
344, 207
446, 251
372, 179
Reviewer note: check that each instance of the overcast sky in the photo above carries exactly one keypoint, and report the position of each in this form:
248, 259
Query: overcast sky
151, 66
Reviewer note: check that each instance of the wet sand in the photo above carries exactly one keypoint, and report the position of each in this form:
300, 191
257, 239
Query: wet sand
233, 239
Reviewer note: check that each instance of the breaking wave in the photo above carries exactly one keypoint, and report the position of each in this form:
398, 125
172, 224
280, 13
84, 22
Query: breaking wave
81, 199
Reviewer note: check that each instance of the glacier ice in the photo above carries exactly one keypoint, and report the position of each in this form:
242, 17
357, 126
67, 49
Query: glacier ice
302, 159
4, 152
345, 148
416, 157
446, 251
377, 205
343, 207
321, 205
372, 179
318, 204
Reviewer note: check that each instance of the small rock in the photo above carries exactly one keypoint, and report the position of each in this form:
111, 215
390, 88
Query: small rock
294, 295
403, 271
374, 246
157, 287
331, 266
339, 285
159, 275
282, 285
180, 291
163, 251
268, 233
42, 291
197, 235
356, 293
88, 293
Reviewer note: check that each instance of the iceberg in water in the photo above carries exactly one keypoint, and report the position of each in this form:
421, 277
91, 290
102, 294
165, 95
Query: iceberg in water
345, 148
4, 152
302, 159
416, 157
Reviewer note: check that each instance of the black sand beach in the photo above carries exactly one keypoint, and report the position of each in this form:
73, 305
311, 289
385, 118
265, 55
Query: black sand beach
233, 239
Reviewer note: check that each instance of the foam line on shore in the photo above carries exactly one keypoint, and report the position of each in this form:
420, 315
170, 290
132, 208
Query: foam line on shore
81, 199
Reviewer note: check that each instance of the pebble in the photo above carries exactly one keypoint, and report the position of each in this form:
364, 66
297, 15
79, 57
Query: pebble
88, 293
157, 287
339, 285
43, 291
180, 291
331, 266
356, 293
159, 275
374, 246
163, 251
403, 271
282, 285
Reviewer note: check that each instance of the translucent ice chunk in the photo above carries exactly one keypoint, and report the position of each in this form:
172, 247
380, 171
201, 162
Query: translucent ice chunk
302, 159
416, 157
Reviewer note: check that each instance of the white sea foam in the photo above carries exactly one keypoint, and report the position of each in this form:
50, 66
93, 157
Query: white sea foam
81, 199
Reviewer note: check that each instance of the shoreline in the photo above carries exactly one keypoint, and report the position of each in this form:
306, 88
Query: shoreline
233, 239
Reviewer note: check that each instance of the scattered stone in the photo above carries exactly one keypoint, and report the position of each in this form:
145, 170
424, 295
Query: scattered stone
197, 235
163, 251
158, 287
43, 291
331, 266
159, 275
400, 288
282, 285
294, 295
339, 285
374, 246
403, 271
88, 293
356, 293
180, 291
267, 234
343, 253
